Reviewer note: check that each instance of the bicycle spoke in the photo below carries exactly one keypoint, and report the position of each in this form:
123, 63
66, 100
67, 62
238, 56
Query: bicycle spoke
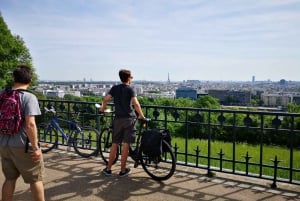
47, 137
105, 143
86, 142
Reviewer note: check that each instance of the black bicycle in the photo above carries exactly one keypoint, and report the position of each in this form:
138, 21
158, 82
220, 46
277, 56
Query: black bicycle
159, 168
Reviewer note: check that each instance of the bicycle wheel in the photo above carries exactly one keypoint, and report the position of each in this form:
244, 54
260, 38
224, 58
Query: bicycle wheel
105, 142
48, 137
161, 167
85, 142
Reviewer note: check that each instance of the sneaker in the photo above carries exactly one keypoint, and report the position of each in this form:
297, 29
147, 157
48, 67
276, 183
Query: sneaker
106, 172
123, 174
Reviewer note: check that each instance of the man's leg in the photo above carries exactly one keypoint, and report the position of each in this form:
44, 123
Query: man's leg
37, 189
124, 156
8, 190
112, 155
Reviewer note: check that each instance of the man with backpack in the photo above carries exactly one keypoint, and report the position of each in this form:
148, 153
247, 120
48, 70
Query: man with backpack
20, 153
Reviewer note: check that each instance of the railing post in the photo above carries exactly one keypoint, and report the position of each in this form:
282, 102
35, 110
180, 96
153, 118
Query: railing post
209, 173
175, 150
247, 158
197, 156
221, 154
97, 120
273, 185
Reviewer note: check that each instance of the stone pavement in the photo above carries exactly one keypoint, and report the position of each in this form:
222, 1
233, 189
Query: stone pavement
72, 178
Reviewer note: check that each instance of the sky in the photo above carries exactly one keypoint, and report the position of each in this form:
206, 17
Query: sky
217, 40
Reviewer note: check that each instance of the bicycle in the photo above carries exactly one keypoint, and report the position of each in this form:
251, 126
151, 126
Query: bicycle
84, 140
158, 168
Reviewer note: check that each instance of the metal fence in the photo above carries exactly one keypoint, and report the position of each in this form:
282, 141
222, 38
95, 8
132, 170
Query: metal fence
250, 143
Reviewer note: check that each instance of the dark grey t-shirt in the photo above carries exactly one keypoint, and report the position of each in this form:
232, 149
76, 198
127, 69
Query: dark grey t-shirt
122, 95
29, 107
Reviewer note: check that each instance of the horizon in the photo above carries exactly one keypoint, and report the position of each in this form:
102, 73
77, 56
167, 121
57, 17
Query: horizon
162, 81
184, 40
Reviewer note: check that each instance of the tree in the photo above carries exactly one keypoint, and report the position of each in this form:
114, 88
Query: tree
207, 102
12, 52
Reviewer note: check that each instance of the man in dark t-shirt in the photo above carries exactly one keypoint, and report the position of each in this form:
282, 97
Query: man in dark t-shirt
123, 125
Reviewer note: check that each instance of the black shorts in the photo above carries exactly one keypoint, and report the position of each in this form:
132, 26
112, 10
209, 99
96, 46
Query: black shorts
123, 130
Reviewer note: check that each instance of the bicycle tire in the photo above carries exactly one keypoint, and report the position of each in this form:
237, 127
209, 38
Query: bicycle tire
48, 137
105, 142
161, 167
85, 142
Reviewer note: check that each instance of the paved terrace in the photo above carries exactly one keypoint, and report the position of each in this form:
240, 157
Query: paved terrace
72, 178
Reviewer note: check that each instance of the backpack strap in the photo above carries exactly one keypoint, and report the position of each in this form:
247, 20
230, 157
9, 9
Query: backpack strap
9, 89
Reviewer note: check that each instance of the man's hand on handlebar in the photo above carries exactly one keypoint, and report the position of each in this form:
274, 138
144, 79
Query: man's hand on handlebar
144, 119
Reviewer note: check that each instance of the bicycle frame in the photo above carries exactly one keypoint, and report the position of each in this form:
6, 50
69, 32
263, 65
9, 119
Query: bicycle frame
55, 123
84, 140
134, 150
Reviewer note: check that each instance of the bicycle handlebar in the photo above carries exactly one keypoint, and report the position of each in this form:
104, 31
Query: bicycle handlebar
145, 120
105, 111
52, 110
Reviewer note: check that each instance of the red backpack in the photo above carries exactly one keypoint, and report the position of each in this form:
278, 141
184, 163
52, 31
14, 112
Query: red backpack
10, 112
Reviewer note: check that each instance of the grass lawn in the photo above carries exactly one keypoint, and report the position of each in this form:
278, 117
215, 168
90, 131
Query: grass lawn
241, 149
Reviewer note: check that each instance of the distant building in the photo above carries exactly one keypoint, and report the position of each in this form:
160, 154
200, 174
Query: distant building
276, 99
201, 94
296, 99
186, 93
139, 90
54, 93
193, 82
73, 93
231, 97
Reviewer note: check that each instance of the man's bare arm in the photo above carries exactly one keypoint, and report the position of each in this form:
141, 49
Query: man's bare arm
137, 107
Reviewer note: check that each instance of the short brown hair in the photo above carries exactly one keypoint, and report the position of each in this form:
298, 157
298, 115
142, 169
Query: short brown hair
124, 75
22, 74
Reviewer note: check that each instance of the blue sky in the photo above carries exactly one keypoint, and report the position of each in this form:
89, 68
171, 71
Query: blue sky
189, 39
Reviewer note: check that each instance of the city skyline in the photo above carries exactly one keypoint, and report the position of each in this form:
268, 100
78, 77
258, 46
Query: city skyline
159, 40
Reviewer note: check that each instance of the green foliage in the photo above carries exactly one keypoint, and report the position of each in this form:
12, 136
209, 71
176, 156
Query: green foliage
293, 108
207, 102
72, 97
146, 101
183, 102
12, 52
92, 99
38, 94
